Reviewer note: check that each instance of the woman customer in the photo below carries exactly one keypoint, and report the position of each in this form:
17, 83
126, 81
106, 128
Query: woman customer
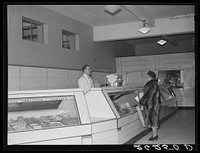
150, 101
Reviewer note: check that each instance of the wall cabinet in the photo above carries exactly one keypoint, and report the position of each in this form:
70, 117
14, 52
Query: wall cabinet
134, 70
174, 61
129, 64
186, 98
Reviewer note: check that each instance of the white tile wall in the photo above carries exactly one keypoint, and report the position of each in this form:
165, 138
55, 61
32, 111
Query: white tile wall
73, 83
13, 84
99, 77
74, 74
54, 83
32, 72
13, 78
34, 78
13, 71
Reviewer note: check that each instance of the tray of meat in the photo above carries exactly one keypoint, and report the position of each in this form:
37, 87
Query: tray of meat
48, 118
55, 124
69, 121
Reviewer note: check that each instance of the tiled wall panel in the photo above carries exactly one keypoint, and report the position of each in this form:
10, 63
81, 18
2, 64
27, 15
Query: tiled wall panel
13, 78
35, 78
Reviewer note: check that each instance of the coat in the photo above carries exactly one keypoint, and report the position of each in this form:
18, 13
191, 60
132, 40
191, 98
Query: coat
151, 101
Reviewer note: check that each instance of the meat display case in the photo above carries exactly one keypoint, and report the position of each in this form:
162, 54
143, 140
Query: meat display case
104, 115
48, 117
126, 123
168, 101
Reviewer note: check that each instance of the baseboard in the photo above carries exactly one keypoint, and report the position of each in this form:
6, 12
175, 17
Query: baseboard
138, 137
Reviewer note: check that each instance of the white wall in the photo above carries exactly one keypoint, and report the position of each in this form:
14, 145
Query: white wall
38, 78
51, 54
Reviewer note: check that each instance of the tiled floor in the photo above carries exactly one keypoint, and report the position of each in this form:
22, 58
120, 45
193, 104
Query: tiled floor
178, 129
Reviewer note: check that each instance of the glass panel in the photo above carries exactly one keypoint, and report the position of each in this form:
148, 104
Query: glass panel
64, 39
41, 113
26, 30
40, 29
32, 30
167, 91
124, 102
170, 77
68, 40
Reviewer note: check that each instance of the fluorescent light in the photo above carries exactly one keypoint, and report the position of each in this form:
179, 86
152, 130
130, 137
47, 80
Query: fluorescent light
144, 30
112, 8
161, 42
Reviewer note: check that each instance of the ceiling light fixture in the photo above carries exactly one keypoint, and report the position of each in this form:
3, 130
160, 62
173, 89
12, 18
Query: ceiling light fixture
162, 42
112, 8
144, 29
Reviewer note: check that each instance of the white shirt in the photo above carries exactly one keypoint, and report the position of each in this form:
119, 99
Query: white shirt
85, 82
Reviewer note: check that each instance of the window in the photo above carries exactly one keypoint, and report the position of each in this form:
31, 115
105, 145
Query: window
32, 30
70, 40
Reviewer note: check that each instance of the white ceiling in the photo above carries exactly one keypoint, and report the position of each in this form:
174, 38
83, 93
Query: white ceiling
95, 15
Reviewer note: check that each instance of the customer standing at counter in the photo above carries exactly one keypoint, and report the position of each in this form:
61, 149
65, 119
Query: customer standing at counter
85, 81
151, 104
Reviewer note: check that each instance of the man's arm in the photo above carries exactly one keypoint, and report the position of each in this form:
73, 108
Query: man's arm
83, 85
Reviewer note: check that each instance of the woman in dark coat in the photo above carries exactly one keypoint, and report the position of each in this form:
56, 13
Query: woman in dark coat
150, 102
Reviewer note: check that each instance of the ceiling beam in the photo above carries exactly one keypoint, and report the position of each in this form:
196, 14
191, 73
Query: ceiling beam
170, 40
164, 27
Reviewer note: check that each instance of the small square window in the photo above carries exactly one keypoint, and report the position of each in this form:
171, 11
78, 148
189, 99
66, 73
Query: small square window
32, 30
70, 40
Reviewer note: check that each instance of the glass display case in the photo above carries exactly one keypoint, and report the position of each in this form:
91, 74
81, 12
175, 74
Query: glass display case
171, 77
48, 117
69, 116
166, 92
124, 101
42, 113
113, 113
168, 100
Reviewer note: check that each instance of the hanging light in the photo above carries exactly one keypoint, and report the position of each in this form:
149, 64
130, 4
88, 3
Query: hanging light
116, 8
112, 8
162, 41
144, 29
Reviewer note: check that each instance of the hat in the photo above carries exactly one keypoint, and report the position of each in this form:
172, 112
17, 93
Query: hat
151, 74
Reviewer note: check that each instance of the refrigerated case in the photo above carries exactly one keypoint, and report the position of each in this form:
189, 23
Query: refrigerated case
48, 117
126, 123
168, 101
104, 115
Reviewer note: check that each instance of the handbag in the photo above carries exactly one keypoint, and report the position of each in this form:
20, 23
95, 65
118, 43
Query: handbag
140, 115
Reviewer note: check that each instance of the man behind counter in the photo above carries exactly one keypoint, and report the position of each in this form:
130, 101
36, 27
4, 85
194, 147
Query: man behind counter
85, 81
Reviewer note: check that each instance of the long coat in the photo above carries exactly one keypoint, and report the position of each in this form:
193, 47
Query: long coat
151, 102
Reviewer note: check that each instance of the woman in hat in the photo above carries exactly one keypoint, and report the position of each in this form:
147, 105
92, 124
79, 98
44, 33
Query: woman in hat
150, 101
